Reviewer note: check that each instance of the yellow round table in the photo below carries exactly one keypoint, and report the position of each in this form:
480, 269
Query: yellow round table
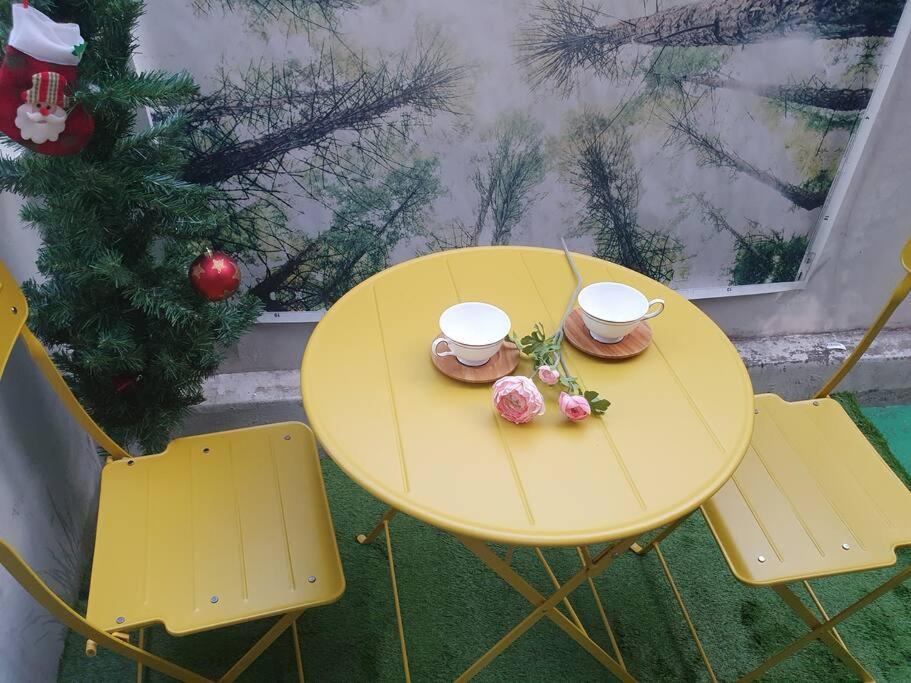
434, 448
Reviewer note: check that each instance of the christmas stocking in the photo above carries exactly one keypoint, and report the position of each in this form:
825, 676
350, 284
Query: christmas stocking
36, 80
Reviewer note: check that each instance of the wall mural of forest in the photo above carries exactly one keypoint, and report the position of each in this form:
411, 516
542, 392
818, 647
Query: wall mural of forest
693, 140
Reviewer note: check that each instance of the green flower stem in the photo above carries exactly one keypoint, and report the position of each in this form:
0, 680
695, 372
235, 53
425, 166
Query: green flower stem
569, 306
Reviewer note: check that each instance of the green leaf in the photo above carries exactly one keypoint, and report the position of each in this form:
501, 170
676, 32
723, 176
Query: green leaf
590, 395
598, 407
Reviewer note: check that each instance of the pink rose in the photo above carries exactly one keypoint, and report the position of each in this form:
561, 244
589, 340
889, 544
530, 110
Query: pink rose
548, 375
517, 399
576, 408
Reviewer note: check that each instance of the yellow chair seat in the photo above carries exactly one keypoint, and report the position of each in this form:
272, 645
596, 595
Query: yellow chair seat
811, 498
219, 529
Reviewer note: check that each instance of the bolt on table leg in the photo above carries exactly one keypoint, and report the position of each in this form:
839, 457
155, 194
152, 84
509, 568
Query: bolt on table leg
388, 516
664, 533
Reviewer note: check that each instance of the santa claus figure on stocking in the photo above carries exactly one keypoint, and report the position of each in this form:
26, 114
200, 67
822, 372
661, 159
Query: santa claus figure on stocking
42, 117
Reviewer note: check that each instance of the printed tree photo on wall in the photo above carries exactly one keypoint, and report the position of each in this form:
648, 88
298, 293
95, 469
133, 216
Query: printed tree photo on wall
694, 141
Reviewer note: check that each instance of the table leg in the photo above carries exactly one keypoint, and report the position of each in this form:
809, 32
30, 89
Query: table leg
556, 584
398, 607
686, 613
654, 544
664, 533
507, 558
383, 527
387, 517
545, 607
585, 559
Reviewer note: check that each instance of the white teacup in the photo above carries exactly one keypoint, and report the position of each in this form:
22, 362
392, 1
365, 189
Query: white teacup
612, 310
473, 331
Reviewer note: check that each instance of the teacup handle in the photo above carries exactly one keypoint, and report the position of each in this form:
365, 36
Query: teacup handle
654, 302
436, 343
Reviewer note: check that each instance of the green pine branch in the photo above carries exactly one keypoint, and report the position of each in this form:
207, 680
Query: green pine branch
150, 89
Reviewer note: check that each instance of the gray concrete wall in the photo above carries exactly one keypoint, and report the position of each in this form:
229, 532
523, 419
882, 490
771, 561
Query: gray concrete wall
48, 491
858, 266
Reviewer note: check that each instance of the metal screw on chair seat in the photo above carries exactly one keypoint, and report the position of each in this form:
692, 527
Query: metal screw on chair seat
213, 599
815, 403
756, 411
762, 558
120, 620
845, 546
311, 579
287, 437
13, 310
130, 463
205, 450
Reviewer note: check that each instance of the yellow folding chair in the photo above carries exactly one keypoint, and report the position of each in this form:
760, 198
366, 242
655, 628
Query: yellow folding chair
218, 529
811, 498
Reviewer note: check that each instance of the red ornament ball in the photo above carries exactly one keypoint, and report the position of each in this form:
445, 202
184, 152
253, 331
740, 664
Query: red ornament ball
215, 275
124, 381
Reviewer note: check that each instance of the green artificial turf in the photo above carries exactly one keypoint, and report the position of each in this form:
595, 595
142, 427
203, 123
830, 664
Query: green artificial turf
894, 423
455, 609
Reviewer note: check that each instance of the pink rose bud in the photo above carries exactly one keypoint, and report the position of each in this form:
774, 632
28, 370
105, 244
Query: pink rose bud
576, 408
517, 399
548, 375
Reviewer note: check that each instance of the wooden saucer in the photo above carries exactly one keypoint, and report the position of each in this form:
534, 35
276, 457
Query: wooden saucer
501, 364
632, 344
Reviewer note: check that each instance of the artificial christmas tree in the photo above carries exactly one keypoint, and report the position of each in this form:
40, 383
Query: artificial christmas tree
120, 227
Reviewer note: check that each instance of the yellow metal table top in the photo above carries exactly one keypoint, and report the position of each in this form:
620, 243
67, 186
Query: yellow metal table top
679, 423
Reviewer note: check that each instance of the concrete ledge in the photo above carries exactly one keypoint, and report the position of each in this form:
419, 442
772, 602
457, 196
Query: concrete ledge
243, 399
796, 366
793, 366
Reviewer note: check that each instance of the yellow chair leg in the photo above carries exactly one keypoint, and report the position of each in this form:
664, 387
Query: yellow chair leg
297, 652
822, 611
834, 643
260, 646
39, 590
824, 628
